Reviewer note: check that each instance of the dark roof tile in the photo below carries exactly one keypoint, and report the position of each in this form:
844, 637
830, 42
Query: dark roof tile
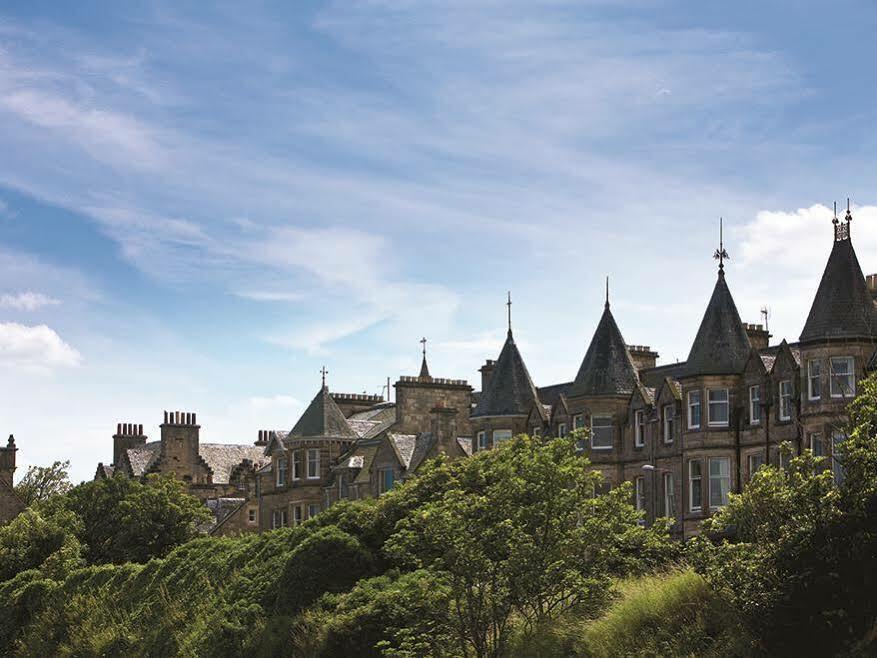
510, 390
322, 418
607, 368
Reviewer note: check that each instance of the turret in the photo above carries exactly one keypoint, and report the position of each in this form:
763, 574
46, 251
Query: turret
7, 460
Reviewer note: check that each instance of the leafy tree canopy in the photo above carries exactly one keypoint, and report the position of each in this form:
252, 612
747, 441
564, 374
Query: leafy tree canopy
41, 483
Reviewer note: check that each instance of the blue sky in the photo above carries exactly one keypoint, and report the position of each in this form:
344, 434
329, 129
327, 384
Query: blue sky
199, 207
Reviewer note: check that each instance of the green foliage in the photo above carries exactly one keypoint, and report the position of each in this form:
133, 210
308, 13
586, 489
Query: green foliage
801, 562
126, 520
518, 531
38, 540
41, 483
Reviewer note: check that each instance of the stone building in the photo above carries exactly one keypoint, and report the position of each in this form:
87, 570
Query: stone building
687, 434
10, 504
223, 475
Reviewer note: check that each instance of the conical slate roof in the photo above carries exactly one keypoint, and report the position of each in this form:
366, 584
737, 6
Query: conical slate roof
607, 368
721, 346
510, 390
843, 307
322, 418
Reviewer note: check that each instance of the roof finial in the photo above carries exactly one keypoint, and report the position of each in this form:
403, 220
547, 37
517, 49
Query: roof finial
607, 291
324, 372
849, 217
424, 369
509, 304
721, 254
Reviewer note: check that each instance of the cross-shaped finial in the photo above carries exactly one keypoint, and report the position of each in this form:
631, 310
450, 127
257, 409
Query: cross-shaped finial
423, 343
509, 304
721, 254
324, 372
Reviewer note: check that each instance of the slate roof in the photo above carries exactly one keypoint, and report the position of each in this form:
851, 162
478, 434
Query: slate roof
222, 458
423, 444
465, 442
607, 368
142, 458
843, 307
656, 376
510, 390
551, 394
105, 470
222, 509
322, 418
403, 444
721, 346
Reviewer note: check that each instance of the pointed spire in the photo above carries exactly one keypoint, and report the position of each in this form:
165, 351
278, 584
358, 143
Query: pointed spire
842, 306
509, 305
322, 418
424, 369
510, 391
607, 368
721, 346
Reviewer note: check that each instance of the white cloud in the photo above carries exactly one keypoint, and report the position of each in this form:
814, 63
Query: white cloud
271, 295
27, 301
34, 348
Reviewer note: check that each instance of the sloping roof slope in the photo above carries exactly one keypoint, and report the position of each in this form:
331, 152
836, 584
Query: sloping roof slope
510, 390
607, 368
322, 418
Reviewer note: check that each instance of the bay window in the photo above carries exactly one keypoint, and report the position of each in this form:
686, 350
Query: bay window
718, 407
296, 465
695, 485
843, 381
313, 463
694, 410
814, 379
601, 432
501, 435
720, 481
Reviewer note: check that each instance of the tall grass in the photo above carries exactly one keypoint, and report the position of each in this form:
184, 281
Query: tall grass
670, 614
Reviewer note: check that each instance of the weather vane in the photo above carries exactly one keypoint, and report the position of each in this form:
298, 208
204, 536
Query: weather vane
721, 254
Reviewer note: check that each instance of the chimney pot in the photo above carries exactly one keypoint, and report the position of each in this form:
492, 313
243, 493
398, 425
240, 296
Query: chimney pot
194, 422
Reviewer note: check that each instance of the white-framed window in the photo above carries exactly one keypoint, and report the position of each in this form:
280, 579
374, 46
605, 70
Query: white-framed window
386, 479
756, 461
313, 463
843, 378
501, 435
695, 485
669, 495
482, 440
785, 391
816, 444
281, 471
601, 432
668, 413
561, 430
720, 481
279, 518
639, 428
717, 399
313, 510
578, 421
693, 410
296, 465
755, 405
296, 515
537, 431
640, 493
836, 462
814, 379
251, 515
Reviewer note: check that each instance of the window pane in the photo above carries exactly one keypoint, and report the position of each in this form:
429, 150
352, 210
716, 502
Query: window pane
720, 481
601, 432
718, 406
501, 435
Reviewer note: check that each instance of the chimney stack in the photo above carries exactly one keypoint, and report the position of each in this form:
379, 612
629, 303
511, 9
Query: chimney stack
758, 336
443, 425
486, 373
643, 357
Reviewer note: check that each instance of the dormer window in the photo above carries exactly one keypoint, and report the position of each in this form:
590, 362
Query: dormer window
639, 428
755, 405
281, 471
843, 381
718, 407
785, 400
668, 412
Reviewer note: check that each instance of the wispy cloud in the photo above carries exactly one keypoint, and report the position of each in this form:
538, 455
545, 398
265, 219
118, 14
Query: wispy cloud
26, 301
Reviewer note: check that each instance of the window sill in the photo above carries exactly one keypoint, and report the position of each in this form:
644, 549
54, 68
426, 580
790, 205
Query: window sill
718, 426
593, 447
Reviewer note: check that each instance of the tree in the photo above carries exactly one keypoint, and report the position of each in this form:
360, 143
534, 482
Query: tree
41, 483
36, 540
519, 531
126, 520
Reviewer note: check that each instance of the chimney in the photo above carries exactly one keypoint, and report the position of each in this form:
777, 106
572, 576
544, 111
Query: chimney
443, 425
127, 436
643, 357
264, 437
486, 373
758, 336
871, 280
7, 460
